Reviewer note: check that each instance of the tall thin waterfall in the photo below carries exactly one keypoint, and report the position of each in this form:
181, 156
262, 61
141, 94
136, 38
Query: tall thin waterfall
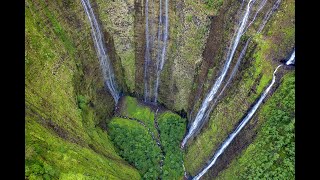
101, 50
227, 142
262, 3
292, 58
147, 53
205, 104
159, 54
233, 73
161, 59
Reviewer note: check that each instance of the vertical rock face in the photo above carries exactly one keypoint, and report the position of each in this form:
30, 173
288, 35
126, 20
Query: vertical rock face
189, 24
139, 36
188, 28
118, 20
198, 36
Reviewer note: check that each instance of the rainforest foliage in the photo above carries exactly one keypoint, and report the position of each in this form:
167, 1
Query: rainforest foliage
172, 128
136, 146
136, 140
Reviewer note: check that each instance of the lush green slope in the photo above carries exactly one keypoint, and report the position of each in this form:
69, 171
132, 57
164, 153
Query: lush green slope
66, 103
272, 154
49, 156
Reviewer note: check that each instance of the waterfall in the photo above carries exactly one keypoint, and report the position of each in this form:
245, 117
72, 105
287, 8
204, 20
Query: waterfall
161, 51
147, 53
101, 51
158, 53
292, 59
268, 15
227, 142
262, 3
204, 107
233, 73
161, 59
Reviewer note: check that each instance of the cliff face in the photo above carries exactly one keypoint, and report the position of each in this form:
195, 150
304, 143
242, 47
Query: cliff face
68, 106
189, 25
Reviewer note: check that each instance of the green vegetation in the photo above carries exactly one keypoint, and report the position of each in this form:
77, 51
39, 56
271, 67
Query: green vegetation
131, 108
136, 146
213, 4
172, 128
272, 154
51, 157
135, 143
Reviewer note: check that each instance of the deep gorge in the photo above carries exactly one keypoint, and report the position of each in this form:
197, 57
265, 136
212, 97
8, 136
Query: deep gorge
117, 102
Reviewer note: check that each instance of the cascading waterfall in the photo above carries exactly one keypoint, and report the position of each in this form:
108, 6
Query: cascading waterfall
161, 59
227, 142
268, 15
205, 104
103, 57
292, 59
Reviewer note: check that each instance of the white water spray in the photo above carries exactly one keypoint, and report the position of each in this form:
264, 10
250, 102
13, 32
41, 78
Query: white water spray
227, 142
292, 59
103, 57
